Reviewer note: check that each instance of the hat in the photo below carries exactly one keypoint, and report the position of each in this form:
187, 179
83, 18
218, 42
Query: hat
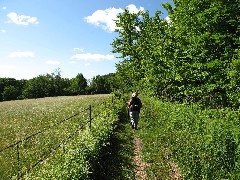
134, 94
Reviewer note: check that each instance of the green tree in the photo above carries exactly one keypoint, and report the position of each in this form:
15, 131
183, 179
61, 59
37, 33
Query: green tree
103, 84
192, 57
78, 84
206, 35
130, 66
46, 86
146, 63
37, 87
10, 93
11, 84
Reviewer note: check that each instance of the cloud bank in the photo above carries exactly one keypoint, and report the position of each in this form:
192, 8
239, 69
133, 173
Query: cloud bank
105, 18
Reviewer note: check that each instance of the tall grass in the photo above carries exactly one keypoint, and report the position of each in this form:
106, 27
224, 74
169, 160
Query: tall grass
204, 143
19, 119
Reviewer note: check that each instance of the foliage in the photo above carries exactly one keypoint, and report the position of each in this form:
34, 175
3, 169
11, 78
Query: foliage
53, 84
104, 84
10, 88
204, 143
191, 57
45, 86
9, 93
78, 85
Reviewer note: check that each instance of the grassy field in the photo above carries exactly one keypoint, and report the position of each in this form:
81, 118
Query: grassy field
21, 119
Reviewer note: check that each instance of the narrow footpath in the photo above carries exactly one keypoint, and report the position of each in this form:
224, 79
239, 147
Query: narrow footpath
123, 158
140, 172
140, 165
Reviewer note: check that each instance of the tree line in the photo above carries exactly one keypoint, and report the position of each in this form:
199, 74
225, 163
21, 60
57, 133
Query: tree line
192, 56
53, 84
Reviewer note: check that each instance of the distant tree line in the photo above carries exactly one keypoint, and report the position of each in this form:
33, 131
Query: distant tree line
193, 56
53, 84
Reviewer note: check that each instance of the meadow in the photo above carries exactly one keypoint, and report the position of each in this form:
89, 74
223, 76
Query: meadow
44, 125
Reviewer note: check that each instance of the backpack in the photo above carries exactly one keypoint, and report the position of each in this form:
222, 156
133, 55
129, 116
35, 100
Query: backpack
135, 104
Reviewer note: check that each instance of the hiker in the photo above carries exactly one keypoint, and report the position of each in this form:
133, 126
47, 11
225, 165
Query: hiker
134, 106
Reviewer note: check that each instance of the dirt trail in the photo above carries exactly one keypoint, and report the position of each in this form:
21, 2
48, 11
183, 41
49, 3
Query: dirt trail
140, 170
176, 174
140, 164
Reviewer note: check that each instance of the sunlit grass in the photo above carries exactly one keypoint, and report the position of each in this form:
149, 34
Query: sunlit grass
19, 119
204, 143
22, 118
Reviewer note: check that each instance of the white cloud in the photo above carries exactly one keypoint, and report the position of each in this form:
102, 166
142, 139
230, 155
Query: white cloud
3, 31
4, 8
22, 19
78, 49
52, 62
21, 54
133, 9
105, 18
12, 71
6, 69
92, 57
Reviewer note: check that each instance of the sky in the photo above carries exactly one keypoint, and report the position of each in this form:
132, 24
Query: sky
72, 36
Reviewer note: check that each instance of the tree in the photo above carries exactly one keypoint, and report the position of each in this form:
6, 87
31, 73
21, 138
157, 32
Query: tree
125, 44
206, 35
78, 84
103, 84
193, 57
10, 93
8, 84
38, 87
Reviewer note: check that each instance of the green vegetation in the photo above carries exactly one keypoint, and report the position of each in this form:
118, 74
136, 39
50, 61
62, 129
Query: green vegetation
192, 60
193, 57
53, 84
189, 64
204, 143
116, 161
66, 146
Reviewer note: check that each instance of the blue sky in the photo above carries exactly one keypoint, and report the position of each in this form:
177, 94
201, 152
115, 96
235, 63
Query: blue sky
39, 36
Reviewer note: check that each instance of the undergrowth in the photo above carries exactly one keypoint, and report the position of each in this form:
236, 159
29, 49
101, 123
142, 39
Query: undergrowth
204, 143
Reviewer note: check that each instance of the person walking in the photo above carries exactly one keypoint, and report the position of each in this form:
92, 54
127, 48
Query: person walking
134, 106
